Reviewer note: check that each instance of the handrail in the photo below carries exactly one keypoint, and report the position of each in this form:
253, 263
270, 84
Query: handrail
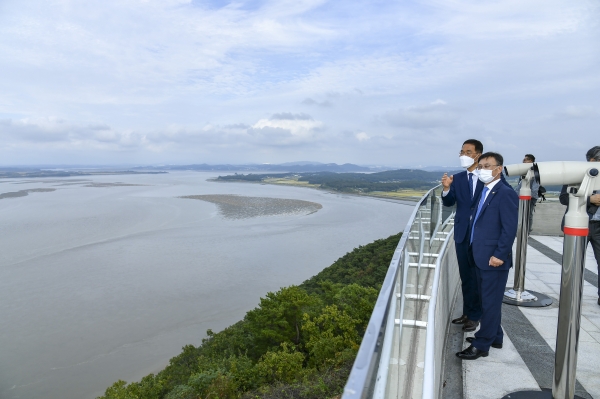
361, 377
429, 391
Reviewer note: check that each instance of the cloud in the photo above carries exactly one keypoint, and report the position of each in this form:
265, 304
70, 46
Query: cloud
287, 129
234, 126
434, 115
201, 77
310, 101
362, 136
577, 112
288, 116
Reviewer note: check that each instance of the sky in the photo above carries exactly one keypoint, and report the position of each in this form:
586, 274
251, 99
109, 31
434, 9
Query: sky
374, 82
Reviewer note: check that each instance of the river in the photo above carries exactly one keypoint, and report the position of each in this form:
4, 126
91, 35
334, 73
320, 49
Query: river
107, 277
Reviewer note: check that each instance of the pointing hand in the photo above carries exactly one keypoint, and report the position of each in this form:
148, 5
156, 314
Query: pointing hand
447, 181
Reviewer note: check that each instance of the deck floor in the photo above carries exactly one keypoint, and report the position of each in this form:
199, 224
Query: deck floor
526, 361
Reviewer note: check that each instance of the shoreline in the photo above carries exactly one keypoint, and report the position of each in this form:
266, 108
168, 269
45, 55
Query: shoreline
408, 200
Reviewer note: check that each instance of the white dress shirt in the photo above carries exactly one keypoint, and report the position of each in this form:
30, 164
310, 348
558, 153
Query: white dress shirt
490, 188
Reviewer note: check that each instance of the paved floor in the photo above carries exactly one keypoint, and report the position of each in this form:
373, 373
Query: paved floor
547, 216
527, 358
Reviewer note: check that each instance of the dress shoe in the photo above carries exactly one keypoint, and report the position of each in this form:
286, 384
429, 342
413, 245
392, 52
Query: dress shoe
471, 353
462, 319
494, 345
470, 325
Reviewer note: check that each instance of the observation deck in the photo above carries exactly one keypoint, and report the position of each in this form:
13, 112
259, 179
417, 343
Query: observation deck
409, 348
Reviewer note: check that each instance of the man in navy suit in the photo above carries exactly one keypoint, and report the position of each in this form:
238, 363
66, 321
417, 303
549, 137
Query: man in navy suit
462, 189
493, 229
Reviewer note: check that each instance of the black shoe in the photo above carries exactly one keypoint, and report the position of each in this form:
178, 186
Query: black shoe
471, 339
461, 320
598, 302
470, 326
471, 353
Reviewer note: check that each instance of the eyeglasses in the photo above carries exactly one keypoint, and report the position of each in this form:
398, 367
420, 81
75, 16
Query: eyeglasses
488, 167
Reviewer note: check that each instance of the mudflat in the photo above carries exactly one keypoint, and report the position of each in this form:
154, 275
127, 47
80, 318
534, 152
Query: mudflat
241, 207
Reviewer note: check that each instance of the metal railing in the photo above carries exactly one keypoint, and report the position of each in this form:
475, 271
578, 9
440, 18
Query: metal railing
397, 356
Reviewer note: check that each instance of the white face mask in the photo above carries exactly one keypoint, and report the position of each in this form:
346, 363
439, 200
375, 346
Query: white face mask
466, 162
486, 176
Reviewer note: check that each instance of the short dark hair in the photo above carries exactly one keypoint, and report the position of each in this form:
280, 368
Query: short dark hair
495, 155
530, 156
476, 143
593, 152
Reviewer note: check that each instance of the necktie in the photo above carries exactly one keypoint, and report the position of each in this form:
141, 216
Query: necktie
471, 184
481, 202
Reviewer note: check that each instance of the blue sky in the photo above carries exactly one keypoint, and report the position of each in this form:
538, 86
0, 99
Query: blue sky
396, 83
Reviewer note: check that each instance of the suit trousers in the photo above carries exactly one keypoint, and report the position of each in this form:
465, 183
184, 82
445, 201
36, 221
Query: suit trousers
468, 278
492, 284
594, 239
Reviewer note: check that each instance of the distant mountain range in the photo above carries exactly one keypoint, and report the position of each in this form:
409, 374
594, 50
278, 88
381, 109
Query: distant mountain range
285, 167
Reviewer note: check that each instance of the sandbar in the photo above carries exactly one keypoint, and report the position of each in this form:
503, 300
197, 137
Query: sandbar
242, 207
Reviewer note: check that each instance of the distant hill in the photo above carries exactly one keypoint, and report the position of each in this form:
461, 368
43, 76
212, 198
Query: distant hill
287, 167
390, 180
19, 173
300, 163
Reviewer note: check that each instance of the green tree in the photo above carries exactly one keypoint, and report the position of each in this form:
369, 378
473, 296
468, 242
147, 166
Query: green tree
284, 365
278, 318
332, 337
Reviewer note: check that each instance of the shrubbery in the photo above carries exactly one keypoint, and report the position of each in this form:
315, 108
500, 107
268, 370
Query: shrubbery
299, 342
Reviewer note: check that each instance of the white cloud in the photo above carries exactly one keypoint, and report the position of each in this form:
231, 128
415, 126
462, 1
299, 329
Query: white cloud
159, 78
362, 136
435, 114
287, 129
577, 112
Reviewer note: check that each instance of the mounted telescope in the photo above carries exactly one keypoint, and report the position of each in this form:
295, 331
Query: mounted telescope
582, 180
518, 295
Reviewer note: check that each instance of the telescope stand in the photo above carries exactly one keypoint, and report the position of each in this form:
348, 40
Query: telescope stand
571, 292
517, 295
569, 321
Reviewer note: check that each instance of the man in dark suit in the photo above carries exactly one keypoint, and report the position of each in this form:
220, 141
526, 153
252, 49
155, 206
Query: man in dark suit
462, 189
493, 229
593, 211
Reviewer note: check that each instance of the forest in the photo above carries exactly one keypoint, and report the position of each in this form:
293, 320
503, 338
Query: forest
299, 342
390, 180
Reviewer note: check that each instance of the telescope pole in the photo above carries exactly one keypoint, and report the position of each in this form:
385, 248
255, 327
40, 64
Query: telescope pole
576, 230
522, 239
517, 295
569, 313
571, 289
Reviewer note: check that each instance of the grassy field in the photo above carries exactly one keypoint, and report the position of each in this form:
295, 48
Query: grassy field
410, 195
291, 181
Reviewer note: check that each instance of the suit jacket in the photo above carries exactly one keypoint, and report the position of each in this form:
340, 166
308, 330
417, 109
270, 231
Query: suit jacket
460, 195
564, 199
496, 227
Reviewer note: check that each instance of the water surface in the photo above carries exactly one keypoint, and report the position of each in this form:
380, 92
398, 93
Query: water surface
107, 278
